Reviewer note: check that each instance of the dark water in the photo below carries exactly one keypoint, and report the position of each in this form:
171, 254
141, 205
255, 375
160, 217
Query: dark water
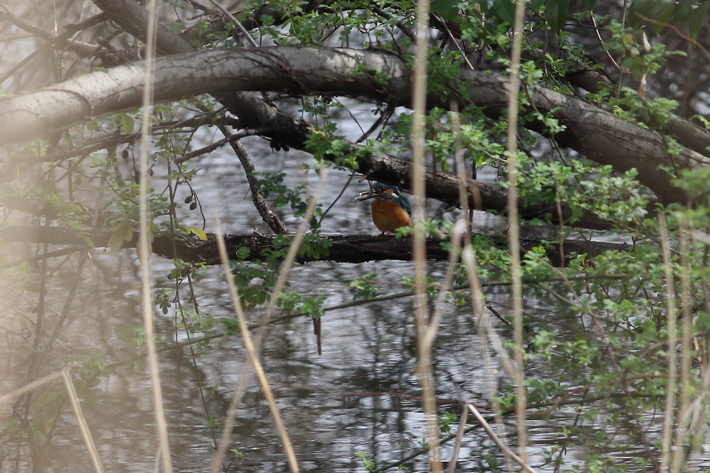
360, 396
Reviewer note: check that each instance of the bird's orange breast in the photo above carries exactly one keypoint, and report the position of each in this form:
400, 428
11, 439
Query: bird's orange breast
389, 216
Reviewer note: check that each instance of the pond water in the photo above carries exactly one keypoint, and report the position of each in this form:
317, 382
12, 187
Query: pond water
360, 396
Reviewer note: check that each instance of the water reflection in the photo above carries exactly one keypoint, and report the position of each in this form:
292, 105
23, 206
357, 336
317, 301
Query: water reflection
360, 396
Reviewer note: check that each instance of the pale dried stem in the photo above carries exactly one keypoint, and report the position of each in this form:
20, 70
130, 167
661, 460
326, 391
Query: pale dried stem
459, 439
424, 369
461, 172
684, 408
486, 328
671, 327
514, 230
281, 281
144, 250
253, 354
519, 460
30, 387
83, 426
433, 326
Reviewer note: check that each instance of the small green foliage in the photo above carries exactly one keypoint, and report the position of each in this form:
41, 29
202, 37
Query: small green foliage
229, 326
445, 422
366, 461
296, 303
364, 287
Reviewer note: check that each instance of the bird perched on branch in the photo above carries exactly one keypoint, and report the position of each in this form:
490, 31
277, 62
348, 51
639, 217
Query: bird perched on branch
390, 209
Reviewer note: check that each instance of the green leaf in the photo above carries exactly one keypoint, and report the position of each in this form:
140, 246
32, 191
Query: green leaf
663, 16
127, 124
199, 233
89, 242
696, 21
115, 241
446, 9
557, 14
504, 10
637, 9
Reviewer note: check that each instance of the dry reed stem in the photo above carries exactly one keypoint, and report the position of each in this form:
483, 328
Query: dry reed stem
424, 369
144, 245
30, 387
461, 172
252, 352
522, 463
684, 408
485, 328
433, 326
88, 439
459, 439
281, 281
514, 230
671, 327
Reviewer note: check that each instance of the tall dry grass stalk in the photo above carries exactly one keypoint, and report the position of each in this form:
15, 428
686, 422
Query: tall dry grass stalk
278, 287
144, 250
684, 410
514, 230
486, 333
83, 426
30, 387
671, 327
424, 369
253, 355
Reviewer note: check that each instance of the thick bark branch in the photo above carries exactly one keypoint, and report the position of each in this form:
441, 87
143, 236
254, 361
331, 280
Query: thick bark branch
343, 249
591, 131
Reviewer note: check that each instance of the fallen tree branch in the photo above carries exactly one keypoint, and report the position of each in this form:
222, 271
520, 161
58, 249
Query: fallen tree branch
343, 248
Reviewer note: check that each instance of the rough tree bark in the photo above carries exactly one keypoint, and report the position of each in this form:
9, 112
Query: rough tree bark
343, 249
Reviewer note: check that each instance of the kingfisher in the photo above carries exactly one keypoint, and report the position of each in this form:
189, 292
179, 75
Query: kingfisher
390, 209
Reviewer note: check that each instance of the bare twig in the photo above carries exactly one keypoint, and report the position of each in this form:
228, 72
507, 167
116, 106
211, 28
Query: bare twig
216, 144
244, 31
686, 388
271, 219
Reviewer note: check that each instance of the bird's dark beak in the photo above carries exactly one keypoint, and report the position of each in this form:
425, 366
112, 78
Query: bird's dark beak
364, 196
